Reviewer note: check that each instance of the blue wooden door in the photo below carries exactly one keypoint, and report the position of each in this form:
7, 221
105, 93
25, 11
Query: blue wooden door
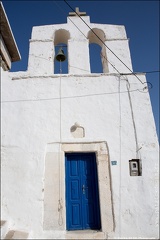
82, 199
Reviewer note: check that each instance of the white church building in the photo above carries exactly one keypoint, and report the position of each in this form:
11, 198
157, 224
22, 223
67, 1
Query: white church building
79, 155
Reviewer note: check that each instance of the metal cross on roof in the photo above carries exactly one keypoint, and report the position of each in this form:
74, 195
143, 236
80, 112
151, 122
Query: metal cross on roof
77, 12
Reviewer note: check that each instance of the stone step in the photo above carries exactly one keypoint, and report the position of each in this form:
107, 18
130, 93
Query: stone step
85, 234
4, 228
14, 234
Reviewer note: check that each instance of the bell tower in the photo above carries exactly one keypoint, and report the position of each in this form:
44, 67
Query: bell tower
77, 34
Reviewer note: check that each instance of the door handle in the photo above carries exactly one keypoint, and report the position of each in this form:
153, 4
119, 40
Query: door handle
83, 189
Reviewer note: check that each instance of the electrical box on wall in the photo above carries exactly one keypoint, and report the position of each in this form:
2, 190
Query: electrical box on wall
135, 167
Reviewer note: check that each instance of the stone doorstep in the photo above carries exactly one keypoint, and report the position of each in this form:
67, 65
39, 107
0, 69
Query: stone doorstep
76, 235
88, 234
13, 234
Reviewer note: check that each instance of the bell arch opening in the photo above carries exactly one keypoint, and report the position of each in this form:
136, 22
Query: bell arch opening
61, 38
97, 50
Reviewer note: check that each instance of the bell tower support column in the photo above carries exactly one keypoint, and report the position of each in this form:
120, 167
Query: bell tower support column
78, 59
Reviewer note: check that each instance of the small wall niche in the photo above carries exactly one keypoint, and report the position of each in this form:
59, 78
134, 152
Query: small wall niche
77, 131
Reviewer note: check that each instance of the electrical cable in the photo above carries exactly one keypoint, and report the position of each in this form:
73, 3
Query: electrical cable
98, 36
152, 71
87, 38
120, 152
104, 43
71, 97
69, 18
60, 207
49, 60
133, 121
132, 73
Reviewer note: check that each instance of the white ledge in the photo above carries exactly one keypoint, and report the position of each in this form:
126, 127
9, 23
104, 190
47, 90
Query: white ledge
41, 40
28, 76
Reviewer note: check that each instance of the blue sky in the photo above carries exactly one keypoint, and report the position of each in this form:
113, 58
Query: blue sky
141, 19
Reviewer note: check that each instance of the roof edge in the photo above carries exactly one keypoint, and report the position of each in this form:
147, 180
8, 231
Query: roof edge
7, 35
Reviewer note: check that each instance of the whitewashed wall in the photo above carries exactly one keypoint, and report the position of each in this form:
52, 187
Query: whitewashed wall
100, 104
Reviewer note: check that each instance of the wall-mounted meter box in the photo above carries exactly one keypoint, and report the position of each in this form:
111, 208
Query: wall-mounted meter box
134, 167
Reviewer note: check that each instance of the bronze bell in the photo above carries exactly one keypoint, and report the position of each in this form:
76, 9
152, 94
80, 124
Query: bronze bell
60, 56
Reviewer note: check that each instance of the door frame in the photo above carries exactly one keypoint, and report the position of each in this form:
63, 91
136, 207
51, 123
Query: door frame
55, 183
104, 181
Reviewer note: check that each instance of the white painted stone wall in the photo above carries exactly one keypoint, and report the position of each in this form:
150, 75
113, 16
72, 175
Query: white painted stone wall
100, 104
41, 54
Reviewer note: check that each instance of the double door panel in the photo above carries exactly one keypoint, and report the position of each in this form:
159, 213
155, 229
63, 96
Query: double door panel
82, 198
